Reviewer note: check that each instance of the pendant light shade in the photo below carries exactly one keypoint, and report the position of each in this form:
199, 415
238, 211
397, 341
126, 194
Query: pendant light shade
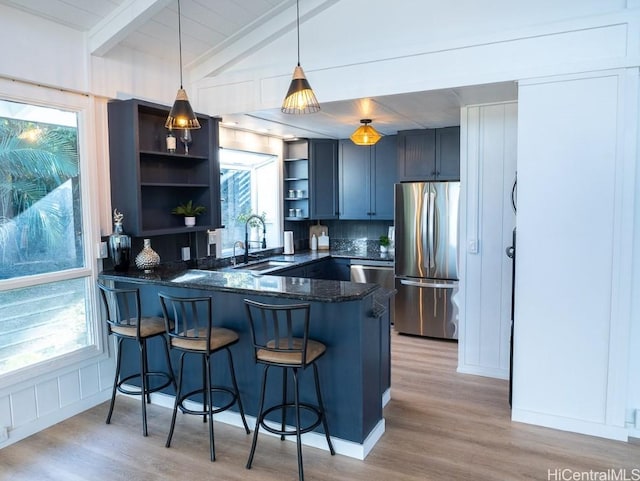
181, 115
300, 98
365, 134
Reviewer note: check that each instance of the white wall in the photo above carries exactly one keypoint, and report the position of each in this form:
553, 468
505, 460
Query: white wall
576, 177
488, 137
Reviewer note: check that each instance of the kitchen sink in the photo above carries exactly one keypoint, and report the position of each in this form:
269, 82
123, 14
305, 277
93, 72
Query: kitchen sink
267, 265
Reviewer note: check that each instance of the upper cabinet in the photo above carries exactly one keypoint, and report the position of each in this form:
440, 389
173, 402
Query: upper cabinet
429, 154
147, 181
448, 153
310, 179
366, 178
323, 177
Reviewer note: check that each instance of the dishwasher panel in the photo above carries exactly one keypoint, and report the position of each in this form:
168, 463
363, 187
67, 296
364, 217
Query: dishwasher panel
375, 272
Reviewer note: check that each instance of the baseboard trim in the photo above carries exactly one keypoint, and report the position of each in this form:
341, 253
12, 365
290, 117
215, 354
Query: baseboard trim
570, 425
341, 446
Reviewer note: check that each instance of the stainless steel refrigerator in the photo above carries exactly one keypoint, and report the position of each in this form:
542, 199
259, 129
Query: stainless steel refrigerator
426, 258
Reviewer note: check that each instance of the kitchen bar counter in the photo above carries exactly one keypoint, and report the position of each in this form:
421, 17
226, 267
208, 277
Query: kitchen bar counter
246, 282
351, 319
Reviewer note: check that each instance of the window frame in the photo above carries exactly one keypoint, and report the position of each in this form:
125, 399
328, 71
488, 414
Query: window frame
85, 107
278, 214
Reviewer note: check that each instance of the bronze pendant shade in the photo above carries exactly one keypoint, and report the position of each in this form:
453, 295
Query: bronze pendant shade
181, 115
365, 134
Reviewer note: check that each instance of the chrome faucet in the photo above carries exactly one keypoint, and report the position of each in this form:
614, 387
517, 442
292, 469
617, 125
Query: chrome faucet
239, 244
246, 235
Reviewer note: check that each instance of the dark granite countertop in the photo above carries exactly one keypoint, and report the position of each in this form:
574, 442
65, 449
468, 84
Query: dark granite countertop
241, 279
238, 281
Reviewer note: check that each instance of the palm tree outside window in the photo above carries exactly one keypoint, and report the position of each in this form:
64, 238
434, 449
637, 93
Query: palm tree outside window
41, 237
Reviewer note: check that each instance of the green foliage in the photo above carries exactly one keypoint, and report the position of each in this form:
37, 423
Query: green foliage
35, 160
189, 210
384, 241
242, 218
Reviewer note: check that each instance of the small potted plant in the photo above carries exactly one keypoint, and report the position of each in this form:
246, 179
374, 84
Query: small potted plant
384, 244
189, 211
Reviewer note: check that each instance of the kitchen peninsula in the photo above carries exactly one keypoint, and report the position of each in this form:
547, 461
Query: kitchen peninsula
351, 319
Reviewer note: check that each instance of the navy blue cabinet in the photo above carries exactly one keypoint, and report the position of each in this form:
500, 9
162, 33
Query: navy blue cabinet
323, 157
366, 178
429, 154
448, 153
147, 182
330, 268
310, 179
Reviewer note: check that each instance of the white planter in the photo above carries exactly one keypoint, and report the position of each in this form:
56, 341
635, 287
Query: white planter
189, 221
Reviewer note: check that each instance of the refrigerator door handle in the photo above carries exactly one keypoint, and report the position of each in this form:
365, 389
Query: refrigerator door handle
431, 230
423, 284
424, 231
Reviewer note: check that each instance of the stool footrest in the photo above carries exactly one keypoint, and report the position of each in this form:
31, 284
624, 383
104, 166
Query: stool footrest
137, 392
204, 411
303, 429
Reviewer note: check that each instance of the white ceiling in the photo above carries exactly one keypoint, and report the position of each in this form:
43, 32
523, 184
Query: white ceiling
210, 28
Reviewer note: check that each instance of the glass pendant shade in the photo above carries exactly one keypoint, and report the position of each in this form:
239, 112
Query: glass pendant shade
181, 115
300, 98
365, 134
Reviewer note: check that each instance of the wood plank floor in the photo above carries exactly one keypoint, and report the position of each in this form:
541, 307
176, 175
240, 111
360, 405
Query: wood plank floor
441, 425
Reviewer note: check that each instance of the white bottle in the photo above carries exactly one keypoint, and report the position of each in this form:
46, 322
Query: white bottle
171, 142
314, 243
323, 241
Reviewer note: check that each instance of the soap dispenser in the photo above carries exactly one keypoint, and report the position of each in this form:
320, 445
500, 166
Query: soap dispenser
314, 243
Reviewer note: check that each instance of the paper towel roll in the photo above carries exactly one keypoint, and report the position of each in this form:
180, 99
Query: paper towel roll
288, 242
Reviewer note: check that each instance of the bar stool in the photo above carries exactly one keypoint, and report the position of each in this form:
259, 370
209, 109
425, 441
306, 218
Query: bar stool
281, 339
125, 322
189, 323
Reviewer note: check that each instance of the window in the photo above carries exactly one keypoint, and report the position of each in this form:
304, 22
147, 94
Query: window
249, 185
44, 282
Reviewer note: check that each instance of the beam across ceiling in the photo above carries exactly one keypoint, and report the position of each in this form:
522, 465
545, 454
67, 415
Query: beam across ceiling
121, 22
264, 30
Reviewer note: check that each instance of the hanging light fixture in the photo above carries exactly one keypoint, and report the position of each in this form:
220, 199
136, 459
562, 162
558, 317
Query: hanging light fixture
181, 115
300, 98
365, 134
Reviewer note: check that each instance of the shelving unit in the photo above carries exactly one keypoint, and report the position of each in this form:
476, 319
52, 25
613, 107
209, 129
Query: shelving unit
296, 180
147, 182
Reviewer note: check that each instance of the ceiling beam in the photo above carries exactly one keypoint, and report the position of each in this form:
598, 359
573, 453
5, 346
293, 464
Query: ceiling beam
121, 22
261, 32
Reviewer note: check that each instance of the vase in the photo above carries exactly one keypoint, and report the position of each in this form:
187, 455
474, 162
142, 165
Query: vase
189, 221
119, 244
147, 259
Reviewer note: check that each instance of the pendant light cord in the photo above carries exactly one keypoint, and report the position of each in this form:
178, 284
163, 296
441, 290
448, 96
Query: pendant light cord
298, 27
180, 42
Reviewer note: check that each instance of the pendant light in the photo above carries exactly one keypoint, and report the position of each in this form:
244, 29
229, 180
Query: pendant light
181, 115
365, 134
300, 98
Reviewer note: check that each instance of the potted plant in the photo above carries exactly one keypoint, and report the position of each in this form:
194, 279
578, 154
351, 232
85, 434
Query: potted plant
189, 211
384, 244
